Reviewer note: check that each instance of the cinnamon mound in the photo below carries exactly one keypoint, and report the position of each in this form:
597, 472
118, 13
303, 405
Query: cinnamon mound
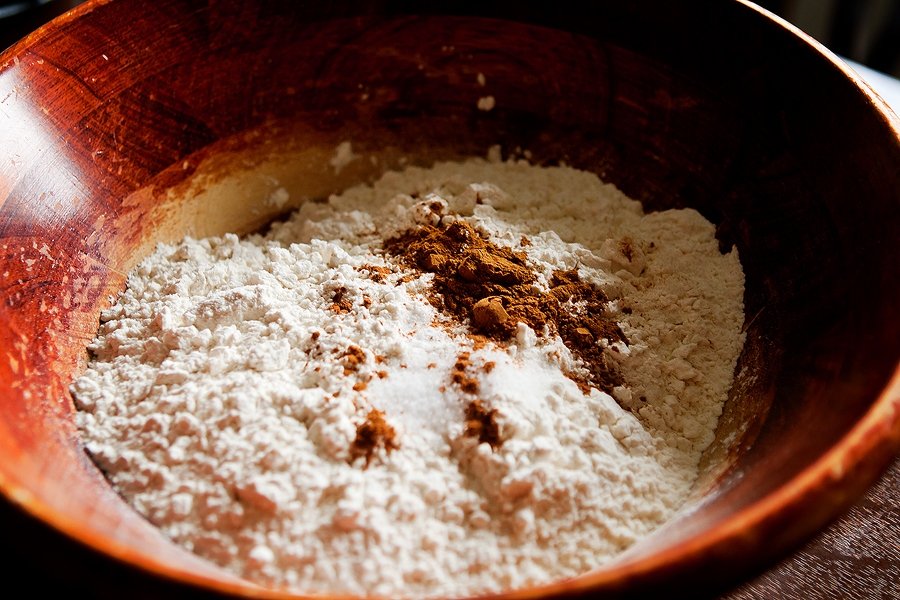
490, 286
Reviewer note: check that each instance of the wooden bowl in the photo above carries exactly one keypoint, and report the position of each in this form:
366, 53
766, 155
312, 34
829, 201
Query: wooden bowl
124, 123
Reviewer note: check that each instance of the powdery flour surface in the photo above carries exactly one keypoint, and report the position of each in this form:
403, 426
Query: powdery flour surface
229, 383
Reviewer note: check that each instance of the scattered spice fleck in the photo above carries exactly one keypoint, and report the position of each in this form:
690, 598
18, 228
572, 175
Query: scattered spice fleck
458, 375
354, 355
372, 434
339, 302
481, 423
376, 273
626, 246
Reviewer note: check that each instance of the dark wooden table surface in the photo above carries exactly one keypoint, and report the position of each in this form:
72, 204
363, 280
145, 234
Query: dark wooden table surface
857, 558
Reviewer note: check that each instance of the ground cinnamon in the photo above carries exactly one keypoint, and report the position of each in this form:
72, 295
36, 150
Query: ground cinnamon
458, 375
340, 303
352, 358
491, 287
482, 423
371, 434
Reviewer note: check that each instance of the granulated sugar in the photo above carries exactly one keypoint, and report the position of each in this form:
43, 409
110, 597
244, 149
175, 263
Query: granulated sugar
295, 407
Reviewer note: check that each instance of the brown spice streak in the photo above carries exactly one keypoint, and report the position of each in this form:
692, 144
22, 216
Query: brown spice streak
626, 247
458, 375
482, 423
372, 434
490, 286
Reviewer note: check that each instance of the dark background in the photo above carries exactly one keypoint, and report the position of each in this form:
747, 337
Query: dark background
867, 31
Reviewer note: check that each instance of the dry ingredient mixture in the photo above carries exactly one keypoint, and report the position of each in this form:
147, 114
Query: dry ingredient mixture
468, 378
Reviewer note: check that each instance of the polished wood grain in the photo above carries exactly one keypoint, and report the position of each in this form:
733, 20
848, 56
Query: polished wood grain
125, 123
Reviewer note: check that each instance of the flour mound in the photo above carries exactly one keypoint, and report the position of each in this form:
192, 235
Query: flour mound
295, 408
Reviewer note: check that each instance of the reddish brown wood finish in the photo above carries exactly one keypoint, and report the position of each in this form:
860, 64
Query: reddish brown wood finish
702, 103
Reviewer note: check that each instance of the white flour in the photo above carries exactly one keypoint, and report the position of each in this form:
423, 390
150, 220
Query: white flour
226, 390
